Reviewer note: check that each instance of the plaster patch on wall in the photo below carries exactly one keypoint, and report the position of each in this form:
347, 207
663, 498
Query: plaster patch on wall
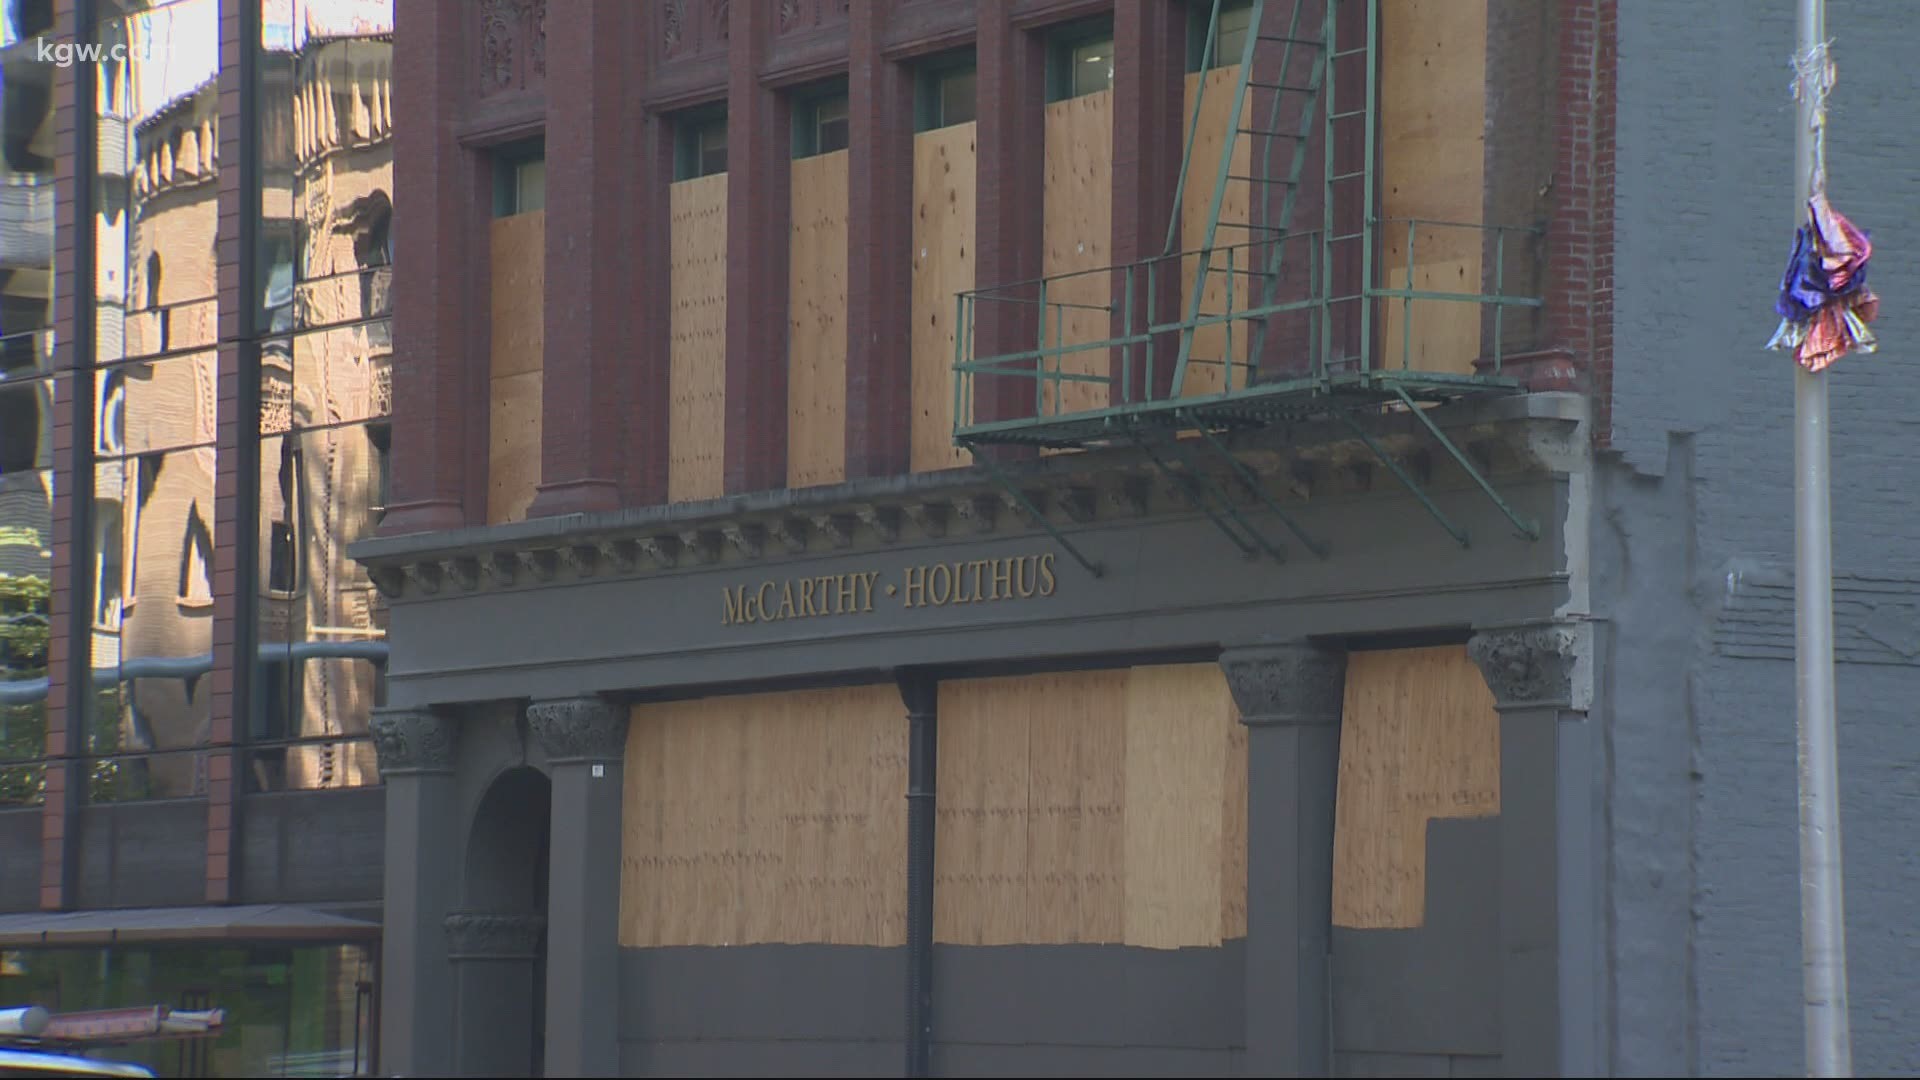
1876, 619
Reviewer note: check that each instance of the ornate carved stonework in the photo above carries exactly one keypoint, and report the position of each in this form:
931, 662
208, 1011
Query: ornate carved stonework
413, 741
579, 729
513, 44
482, 935
1526, 666
1286, 684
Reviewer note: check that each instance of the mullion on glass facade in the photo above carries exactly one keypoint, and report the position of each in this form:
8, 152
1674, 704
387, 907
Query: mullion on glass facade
29, 393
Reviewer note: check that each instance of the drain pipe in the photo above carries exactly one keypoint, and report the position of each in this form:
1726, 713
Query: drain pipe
921, 694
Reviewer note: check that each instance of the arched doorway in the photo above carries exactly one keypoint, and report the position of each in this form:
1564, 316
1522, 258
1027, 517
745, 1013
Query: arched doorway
497, 939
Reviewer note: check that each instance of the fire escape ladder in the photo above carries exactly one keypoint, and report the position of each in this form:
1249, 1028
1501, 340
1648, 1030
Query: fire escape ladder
1267, 64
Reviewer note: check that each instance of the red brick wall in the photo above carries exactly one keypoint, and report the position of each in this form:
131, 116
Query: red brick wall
1580, 235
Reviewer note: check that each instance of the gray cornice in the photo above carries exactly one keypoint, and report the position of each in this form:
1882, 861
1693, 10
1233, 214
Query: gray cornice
1508, 436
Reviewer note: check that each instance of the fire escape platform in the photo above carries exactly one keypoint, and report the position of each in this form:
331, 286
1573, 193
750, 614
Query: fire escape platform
1259, 405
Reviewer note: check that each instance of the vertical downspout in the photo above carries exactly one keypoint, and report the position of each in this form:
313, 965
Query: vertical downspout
921, 695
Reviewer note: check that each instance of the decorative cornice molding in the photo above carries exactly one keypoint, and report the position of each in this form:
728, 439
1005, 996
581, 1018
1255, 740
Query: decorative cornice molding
1527, 667
484, 935
413, 741
1286, 684
579, 729
1293, 461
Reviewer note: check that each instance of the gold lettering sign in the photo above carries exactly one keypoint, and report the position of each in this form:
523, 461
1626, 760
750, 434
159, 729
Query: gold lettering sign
860, 592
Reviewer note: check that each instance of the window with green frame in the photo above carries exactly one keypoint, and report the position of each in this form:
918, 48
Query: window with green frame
1236, 21
944, 93
1080, 59
820, 120
520, 178
700, 143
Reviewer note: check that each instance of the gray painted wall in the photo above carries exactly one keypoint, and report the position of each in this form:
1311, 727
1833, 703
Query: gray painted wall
20, 859
309, 847
1693, 543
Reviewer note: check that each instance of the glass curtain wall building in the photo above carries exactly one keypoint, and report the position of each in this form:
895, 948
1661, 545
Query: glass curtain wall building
219, 461
322, 136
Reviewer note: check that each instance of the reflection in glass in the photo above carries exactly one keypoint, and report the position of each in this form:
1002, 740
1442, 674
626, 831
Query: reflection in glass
326, 153
153, 562
322, 623
155, 405
305, 1010
26, 560
26, 190
156, 183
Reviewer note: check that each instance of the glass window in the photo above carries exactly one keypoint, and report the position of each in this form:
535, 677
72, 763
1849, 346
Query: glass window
290, 1010
946, 95
700, 143
1231, 43
830, 125
520, 179
322, 623
1090, 68
712, 150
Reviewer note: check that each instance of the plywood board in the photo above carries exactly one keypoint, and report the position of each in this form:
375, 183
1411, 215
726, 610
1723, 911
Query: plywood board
1433, 112
516, 337
980, 893
1076, 825
696, 421
1077, 212
1226, 285
817, 322
1419, 740
943, 236
513, 446
1176, 747
767, 818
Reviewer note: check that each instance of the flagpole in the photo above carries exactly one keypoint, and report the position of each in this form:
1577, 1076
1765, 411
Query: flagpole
1822, 910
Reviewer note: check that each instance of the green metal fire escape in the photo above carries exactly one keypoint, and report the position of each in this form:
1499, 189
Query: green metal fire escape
1308, 338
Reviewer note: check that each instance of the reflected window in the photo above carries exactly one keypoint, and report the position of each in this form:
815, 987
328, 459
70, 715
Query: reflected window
283, 561
196, 561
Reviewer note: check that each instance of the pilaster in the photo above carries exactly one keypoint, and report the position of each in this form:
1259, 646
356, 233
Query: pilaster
585, 743
1289, 696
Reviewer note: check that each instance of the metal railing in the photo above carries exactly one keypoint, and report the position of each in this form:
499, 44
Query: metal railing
1135, 351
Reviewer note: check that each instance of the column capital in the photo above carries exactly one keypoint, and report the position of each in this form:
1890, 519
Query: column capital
413, 741
1528, 666
579, 729
483, 935
1286, 684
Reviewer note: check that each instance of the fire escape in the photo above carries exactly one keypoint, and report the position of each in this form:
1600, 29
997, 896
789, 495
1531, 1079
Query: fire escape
1259, 319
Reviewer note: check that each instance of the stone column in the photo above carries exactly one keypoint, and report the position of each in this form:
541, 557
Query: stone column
493, 956
1548, 845
416, 752
585, 742
1289, 697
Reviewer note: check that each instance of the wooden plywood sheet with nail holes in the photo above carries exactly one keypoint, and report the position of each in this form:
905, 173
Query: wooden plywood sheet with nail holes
766, 818
1206, 365
1419, 740
943, 236
1085, 807
518, 275
696, 420
1433, 113
817, 322
1077, 213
